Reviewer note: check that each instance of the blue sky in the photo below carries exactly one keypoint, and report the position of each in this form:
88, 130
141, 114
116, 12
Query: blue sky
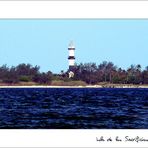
45, 42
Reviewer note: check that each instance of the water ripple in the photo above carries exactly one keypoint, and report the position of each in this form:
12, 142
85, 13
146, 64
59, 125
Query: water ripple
90, 108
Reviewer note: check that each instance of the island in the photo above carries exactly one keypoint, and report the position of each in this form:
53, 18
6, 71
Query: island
87, 75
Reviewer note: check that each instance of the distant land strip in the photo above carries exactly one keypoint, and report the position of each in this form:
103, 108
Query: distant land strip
88, 86
104, 75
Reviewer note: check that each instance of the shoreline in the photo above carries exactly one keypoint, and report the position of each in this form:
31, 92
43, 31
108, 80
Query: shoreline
87, 86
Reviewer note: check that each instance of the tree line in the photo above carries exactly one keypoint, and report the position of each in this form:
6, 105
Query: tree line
110, 73
24, 73
90, 73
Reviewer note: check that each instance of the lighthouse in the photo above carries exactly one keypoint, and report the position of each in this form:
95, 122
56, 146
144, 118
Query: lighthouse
71, 59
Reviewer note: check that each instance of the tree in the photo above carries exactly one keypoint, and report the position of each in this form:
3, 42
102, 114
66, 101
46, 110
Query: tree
107, 71
11, 76
3, 71
86, 72
43, 78
27, 70
145, 76
102, 68
110, 69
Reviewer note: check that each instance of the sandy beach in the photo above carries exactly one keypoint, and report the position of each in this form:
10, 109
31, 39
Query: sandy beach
88, 86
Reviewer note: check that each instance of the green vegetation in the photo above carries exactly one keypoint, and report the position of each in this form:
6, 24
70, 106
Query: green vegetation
85, 74
107, 72
68, 83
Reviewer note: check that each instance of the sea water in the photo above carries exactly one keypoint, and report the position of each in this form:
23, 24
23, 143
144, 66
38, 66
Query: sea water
73, 108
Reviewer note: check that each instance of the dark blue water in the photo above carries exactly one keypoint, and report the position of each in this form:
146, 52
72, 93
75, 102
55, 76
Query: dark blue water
90, 108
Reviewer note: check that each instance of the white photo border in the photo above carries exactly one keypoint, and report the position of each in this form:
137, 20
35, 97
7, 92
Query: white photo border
70, 10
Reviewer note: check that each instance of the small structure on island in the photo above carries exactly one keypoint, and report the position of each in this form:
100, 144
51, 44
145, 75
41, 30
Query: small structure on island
71, 59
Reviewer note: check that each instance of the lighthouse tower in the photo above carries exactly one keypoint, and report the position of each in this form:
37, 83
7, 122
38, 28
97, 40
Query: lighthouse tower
71, 59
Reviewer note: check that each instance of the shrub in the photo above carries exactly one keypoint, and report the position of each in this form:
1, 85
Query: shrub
24, 78
68, 83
